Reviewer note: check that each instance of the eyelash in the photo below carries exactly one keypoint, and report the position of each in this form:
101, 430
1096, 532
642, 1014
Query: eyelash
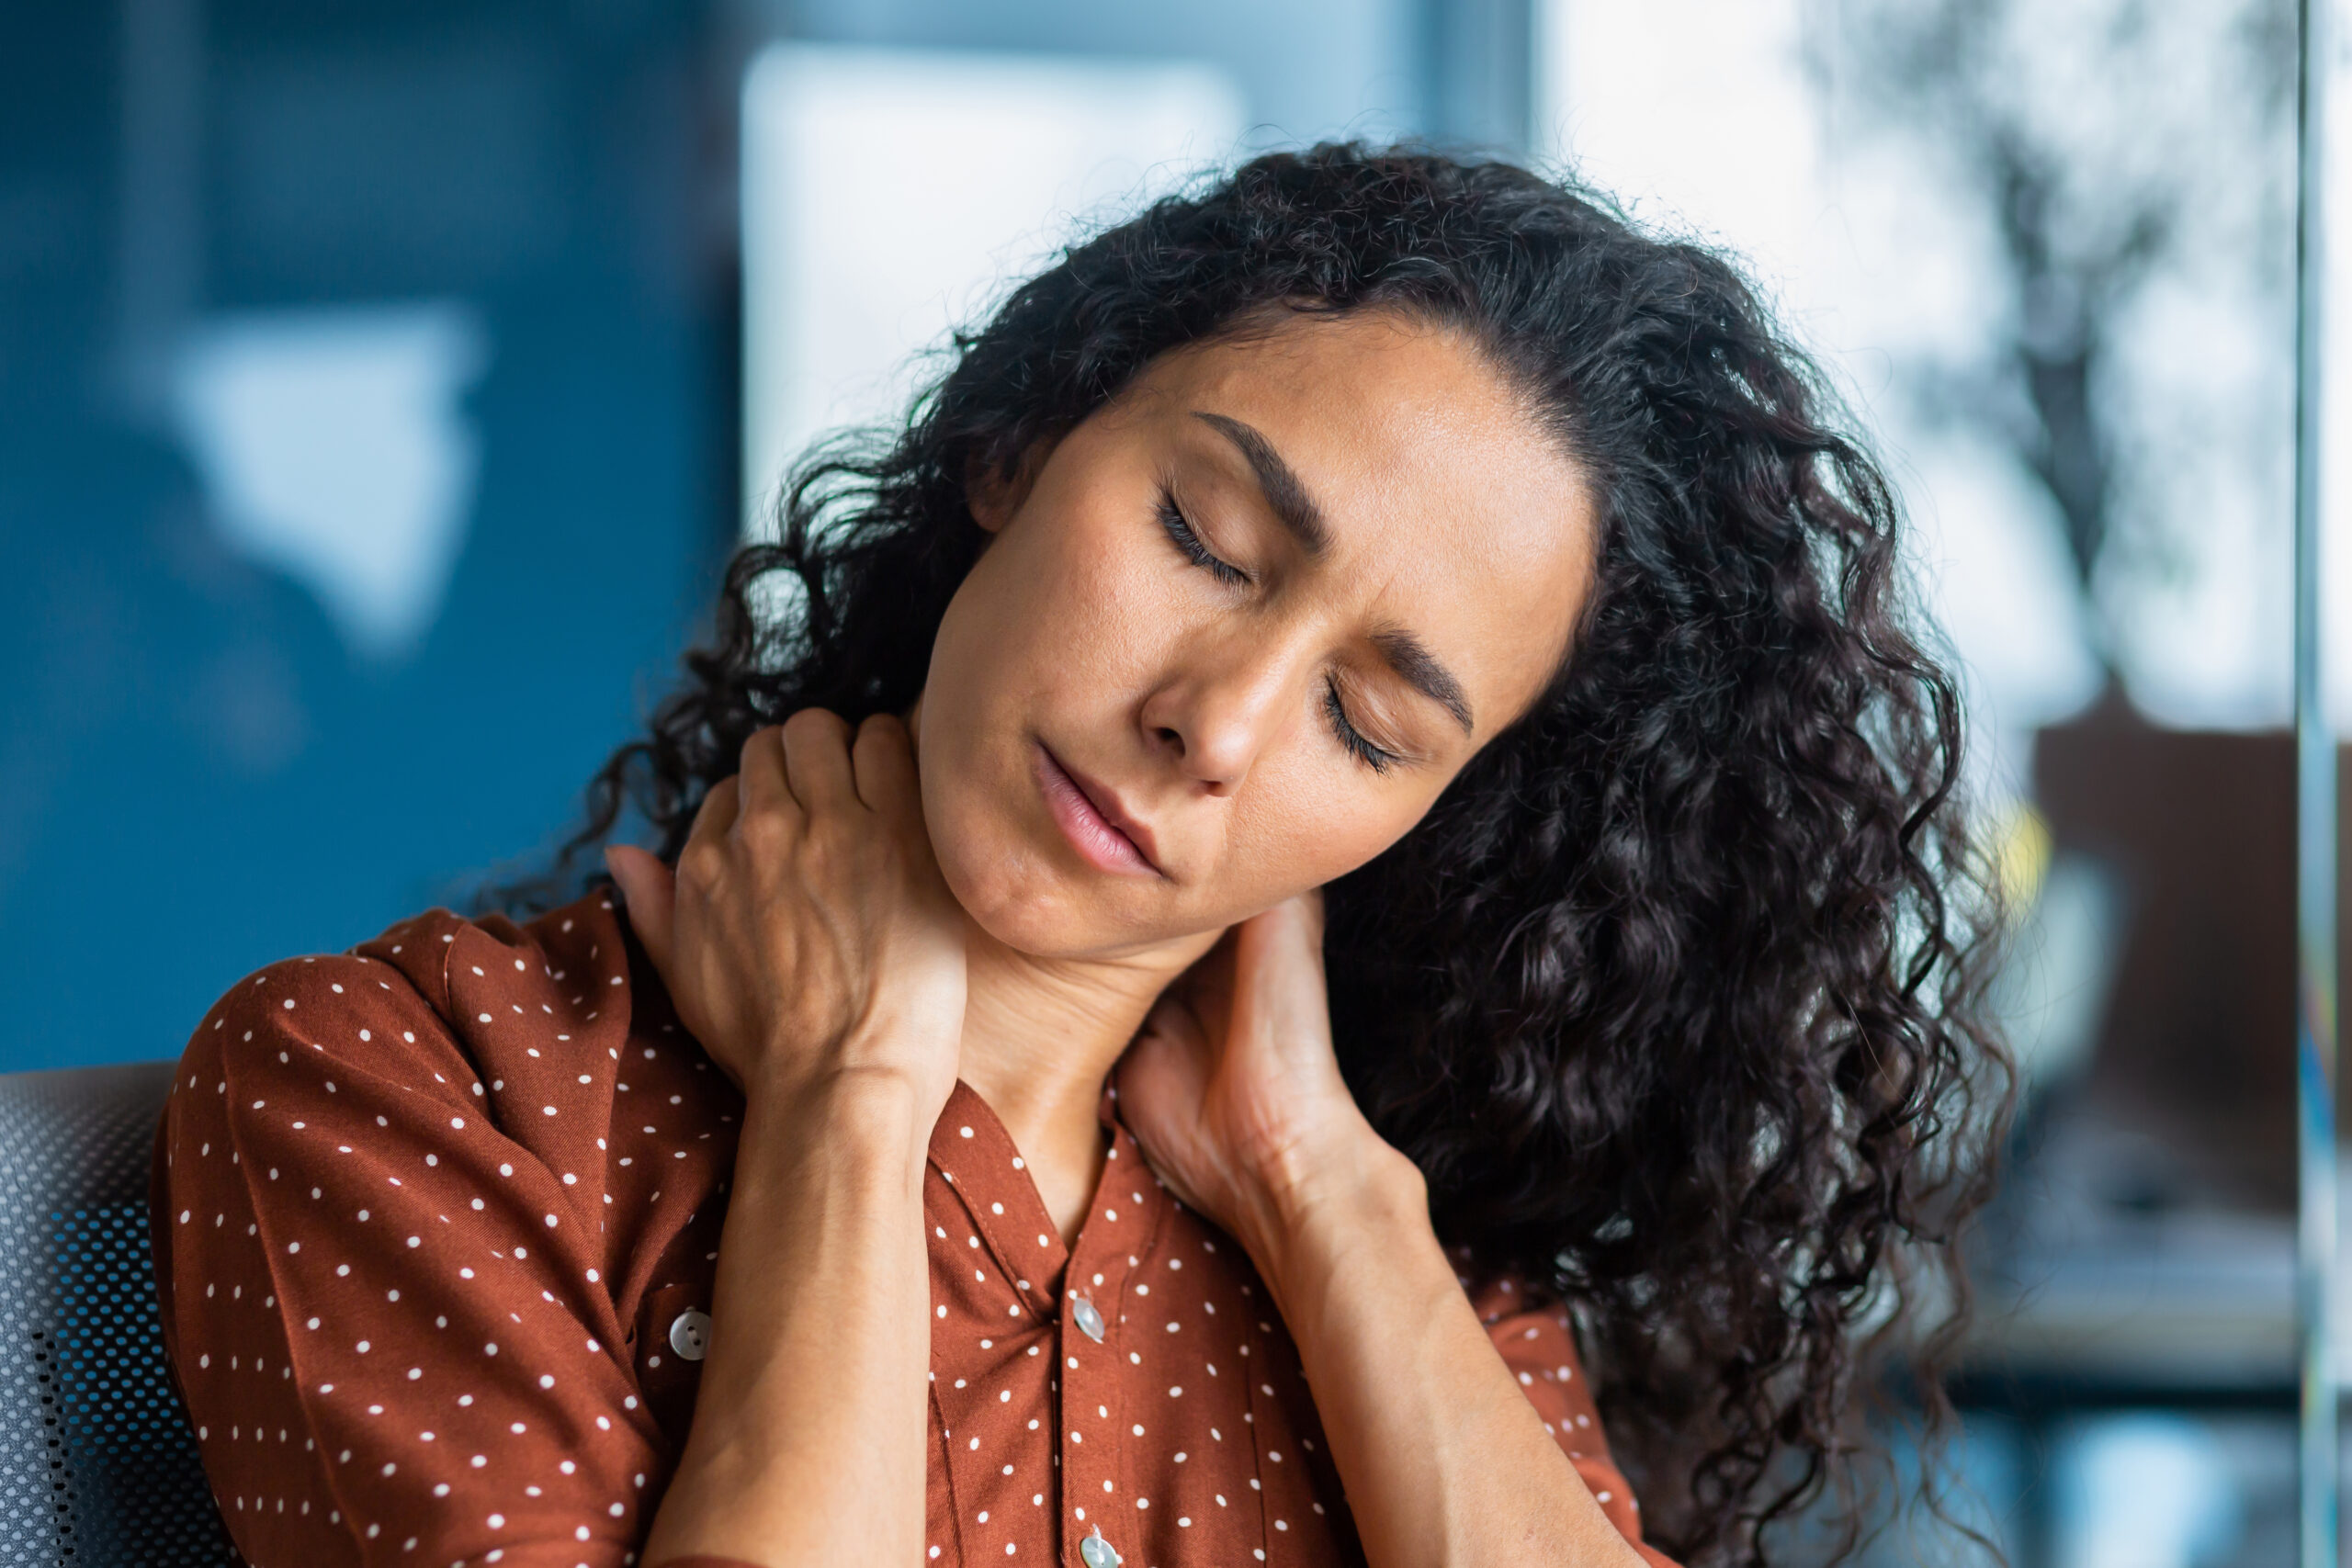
1352, 737
1181, 533
1172, 518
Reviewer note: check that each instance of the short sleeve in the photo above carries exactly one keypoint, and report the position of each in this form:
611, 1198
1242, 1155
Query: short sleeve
384, 1314
1540, 1351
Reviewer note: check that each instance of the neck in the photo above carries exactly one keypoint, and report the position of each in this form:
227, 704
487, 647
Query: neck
1041, 1036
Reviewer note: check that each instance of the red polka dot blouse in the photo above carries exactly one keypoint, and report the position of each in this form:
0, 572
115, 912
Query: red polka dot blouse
436, 1224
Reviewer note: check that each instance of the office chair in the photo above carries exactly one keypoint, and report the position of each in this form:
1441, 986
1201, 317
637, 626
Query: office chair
98, 1467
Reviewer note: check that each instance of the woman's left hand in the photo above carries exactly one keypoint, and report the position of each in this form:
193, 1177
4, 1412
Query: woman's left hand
1233, 1090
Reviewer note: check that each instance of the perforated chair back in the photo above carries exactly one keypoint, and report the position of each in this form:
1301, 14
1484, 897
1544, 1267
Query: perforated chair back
99, 1468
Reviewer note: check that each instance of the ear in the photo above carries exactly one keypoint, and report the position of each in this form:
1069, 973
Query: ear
992, 496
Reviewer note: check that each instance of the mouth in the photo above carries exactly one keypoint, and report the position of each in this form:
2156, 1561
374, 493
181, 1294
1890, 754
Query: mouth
1091, 817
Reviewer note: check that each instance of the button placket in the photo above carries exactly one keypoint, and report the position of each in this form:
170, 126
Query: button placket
1280, 1485
1095, 1389
1076, 1302
981, 1430
1092, 1386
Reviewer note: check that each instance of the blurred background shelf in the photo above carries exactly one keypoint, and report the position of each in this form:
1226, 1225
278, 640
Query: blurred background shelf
2198, 1305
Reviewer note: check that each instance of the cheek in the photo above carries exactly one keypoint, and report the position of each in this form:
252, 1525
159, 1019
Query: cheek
1054, 633
1310, 826
1063, 606
979, 664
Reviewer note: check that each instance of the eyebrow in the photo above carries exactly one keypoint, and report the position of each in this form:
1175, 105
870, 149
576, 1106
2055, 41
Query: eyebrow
1296, 511
1293, 507
1419, 669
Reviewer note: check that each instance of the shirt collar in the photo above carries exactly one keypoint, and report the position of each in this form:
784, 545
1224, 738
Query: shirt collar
978, 1159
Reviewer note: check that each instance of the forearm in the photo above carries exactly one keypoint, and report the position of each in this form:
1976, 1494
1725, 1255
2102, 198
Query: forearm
806, 1445
1443, 1459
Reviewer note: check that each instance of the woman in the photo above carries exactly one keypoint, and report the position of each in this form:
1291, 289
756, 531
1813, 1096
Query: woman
979, 1148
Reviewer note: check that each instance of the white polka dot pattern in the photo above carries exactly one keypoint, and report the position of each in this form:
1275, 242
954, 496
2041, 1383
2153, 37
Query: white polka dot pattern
437, 1206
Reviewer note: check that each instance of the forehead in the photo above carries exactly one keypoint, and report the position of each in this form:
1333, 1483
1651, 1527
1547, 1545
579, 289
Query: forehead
1453, 513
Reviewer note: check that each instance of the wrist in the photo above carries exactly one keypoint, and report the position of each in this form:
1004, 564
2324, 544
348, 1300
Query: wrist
860, 1117
1319, 1201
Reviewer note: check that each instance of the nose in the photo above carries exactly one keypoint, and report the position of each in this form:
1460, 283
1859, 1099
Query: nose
1217, 712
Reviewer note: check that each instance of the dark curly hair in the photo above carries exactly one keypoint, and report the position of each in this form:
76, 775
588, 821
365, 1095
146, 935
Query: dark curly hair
1674, 995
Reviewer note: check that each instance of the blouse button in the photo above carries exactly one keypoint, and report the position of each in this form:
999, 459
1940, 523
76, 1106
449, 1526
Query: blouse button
1090, 1322
690, 1334
1097, 1551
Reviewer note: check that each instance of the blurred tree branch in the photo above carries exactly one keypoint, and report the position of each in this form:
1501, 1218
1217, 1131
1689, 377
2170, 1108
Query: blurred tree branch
2106, 145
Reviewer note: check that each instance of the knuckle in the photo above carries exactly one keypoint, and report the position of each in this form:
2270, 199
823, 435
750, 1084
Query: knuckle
702, 864
886, 756
762, 831
827, 837
814, 724
765, 735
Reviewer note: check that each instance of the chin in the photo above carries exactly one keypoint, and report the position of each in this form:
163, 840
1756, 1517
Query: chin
1030, 904
1019, 882
1030, 909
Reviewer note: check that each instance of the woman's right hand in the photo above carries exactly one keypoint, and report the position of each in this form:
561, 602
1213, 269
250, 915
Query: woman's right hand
806, 937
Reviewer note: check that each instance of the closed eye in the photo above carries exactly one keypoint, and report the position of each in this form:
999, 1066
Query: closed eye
1187, 539
1373, 757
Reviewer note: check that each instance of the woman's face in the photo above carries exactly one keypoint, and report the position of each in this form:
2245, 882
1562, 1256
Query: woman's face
1240, 629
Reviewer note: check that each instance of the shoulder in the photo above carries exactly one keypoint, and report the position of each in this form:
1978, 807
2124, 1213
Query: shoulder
432, 1006
529, 1070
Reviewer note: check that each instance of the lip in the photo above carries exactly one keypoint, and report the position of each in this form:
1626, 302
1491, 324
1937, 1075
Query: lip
1092, 818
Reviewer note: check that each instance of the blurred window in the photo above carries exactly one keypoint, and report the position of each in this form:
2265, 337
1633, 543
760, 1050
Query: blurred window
892, 194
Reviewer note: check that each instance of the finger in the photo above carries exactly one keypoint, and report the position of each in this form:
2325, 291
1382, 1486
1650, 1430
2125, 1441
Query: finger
883, 761
1208, 986
650, 893
816, 759
1164, 1073
761, 782
712, 822
1173, 1022
1281, 942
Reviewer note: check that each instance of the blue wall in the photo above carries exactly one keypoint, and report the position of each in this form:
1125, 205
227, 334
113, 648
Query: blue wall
201, 768
197, 771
